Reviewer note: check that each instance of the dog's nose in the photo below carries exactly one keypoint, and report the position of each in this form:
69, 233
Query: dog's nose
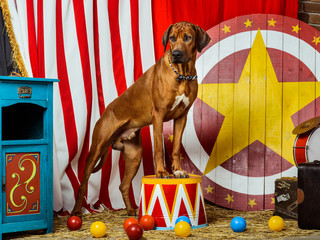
176, 54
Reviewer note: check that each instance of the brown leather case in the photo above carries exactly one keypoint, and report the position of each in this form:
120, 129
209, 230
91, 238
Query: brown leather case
285, 196
309, 195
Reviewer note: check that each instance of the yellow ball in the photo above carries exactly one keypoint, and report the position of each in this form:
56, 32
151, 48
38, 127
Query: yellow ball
182, 229
276, 223
98, 229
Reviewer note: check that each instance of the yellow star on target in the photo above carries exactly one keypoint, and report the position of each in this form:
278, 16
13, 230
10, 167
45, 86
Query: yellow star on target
226, 29
170, 138
271, 22
252, 202
248, 23
257, 108
209, 189
229, 198
296, 29
316, 40
272, 200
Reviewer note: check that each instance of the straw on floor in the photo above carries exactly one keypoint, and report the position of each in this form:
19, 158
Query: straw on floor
218, 220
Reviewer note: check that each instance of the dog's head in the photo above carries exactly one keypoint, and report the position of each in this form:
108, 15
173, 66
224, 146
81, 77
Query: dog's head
185, 39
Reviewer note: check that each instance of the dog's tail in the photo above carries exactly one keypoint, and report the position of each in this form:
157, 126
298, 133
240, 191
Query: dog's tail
101, 162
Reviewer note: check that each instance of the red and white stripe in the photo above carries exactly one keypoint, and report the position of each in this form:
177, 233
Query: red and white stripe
93, 47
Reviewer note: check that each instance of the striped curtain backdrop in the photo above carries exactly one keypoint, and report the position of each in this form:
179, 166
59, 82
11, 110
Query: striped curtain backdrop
97, 49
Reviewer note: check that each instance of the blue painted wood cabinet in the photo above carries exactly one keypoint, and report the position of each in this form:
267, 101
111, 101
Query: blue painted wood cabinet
26, 119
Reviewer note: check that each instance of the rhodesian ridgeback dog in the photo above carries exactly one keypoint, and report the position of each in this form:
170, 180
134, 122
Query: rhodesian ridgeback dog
165, 91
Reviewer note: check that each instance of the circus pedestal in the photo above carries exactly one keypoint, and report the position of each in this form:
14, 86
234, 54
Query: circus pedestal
167, 199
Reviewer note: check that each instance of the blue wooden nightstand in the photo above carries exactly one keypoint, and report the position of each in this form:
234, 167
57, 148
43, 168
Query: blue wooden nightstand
26, 119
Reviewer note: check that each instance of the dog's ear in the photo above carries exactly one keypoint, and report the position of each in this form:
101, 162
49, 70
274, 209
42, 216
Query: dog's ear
202, 39
165, 37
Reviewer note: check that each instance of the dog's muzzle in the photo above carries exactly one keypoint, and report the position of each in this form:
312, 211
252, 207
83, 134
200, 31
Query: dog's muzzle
178, 57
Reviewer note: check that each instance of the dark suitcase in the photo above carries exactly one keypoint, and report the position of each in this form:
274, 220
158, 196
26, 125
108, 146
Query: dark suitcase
285, 196
309, 195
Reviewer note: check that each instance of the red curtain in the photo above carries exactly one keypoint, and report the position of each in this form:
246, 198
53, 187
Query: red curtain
208, 13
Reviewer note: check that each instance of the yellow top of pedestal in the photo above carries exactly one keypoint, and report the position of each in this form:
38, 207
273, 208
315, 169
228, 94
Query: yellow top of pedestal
152, 179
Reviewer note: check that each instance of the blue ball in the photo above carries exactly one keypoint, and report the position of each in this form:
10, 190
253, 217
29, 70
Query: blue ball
238, 224
183, 218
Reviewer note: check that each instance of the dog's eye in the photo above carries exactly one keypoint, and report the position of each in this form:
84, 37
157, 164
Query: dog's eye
187, 38
172, 38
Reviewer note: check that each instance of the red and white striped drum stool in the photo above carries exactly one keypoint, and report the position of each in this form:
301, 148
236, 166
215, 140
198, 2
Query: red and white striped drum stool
166, 199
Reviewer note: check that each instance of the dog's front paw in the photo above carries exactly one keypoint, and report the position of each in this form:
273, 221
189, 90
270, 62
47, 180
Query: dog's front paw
180, 174
162, 174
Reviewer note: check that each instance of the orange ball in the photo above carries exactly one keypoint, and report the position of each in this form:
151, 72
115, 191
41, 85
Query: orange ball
147, 222
128, 222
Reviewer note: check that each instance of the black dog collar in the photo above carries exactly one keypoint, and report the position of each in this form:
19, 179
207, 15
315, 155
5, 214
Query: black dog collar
181, 77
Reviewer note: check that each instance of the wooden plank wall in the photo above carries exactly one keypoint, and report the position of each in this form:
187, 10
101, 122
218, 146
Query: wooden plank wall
258, 79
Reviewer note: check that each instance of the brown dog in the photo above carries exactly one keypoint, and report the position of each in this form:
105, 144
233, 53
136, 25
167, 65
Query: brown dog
166, 91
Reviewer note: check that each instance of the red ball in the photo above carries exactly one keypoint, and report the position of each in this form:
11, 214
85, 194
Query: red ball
128, 222
147, 222
134, 231
74, 223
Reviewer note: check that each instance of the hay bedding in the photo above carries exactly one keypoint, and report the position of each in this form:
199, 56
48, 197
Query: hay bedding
218, 220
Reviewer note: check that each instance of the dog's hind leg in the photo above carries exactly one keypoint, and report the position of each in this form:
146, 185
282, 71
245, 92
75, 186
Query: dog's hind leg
91, 161
132, 153
99, 148
102, 137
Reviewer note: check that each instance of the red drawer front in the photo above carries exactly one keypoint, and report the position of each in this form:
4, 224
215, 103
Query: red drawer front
22, 183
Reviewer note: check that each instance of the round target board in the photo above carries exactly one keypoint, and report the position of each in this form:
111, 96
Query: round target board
258, 79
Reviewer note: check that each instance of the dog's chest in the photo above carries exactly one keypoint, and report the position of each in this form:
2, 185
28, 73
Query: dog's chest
183, 99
